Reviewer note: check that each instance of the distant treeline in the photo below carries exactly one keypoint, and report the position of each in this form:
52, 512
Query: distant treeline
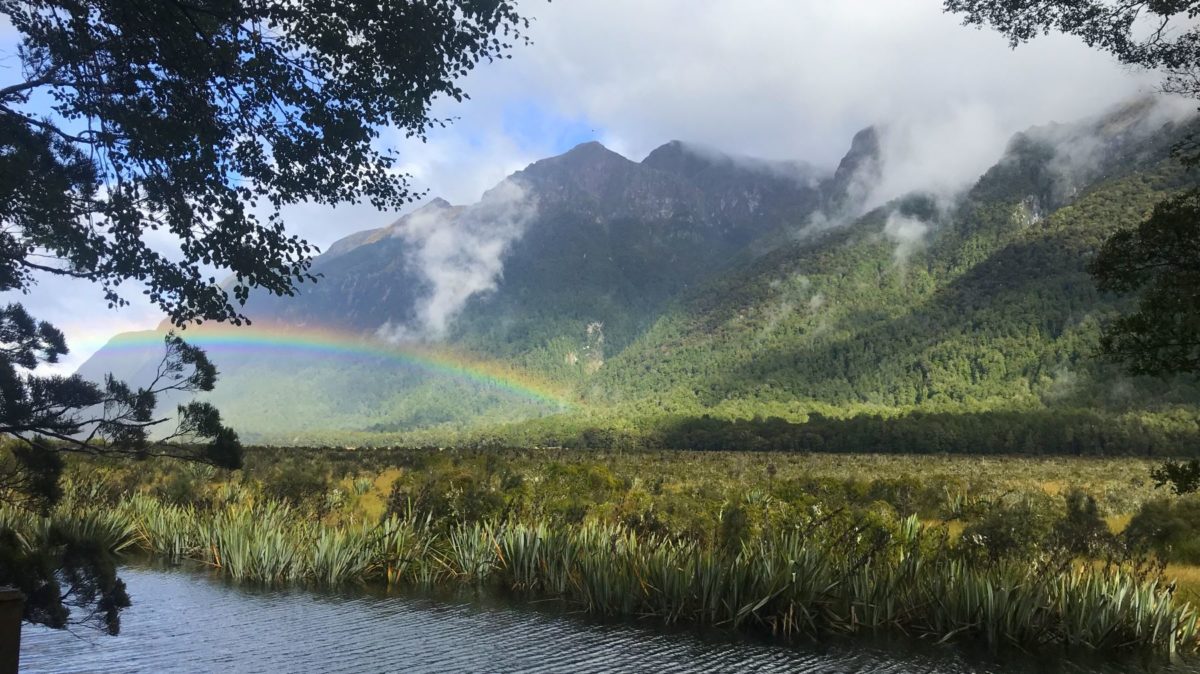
1005, 432
1032, 432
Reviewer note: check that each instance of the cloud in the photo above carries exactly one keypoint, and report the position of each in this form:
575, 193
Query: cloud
78, 309
907, 233
1080, 150
938, 152
794, 80
777, 79
459, 253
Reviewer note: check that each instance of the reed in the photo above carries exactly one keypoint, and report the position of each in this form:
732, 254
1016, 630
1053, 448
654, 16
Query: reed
163, 529
832, 575
261, 543
473, 552
338, 556
403, 546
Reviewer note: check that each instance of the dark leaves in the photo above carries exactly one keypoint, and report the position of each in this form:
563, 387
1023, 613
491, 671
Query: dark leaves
54, 413
1160, 259
1152, 34
182, 117
186, 118
1184, 477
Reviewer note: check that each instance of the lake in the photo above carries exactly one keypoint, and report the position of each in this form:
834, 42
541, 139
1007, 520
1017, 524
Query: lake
188, 621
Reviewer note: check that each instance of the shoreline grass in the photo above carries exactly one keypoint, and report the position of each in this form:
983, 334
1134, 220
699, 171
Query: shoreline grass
1031, 553
831, 573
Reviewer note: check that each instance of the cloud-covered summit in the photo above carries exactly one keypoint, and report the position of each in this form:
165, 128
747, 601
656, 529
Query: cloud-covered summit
779, 79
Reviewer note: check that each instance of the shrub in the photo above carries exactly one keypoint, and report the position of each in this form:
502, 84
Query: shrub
1014, 527
181, 489
1082, 531
296, 483
1169, 527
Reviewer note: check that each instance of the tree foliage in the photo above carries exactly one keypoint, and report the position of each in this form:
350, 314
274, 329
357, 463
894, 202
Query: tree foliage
56, 413
1184, 477
189, 118
1161, 259
1156, 34
153, 145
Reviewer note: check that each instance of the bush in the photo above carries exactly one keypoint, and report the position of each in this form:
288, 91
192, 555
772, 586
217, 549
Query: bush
447, 499
1169, 527
1082, 531
1014, 527
297, 483
181, 489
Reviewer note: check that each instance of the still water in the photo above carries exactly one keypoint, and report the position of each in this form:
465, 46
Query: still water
184, 621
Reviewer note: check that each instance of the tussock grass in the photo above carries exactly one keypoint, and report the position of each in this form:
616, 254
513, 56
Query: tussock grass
938, 547
829, 573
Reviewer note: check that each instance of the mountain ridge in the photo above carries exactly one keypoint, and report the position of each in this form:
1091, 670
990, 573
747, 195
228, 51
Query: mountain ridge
693, 283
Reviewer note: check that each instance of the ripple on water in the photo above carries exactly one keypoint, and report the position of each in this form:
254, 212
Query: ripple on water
187, 622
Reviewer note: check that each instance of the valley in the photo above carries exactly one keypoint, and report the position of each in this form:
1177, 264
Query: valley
639, 296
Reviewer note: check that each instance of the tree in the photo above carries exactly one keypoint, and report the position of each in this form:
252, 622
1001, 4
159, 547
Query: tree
1161, 258
1155, 34
155, 142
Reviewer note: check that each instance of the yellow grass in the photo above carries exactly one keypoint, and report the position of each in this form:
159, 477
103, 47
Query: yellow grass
1117, 523
1187, 579
373, 504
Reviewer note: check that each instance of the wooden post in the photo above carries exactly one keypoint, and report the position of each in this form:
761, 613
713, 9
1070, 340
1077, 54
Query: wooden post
12, 605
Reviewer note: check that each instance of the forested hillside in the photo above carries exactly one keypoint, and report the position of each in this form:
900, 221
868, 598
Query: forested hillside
918, 303
650, 295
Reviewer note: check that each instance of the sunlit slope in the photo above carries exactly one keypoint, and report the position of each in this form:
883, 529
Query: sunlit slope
985, 305
692, 283
596, 246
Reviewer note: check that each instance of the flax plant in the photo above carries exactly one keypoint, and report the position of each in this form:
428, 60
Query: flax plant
829, 574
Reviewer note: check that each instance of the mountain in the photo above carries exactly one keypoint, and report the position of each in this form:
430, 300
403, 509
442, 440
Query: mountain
582, 238
696, 283
858, 171
563, 262
983, 302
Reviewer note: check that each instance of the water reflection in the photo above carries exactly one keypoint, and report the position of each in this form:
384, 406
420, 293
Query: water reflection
186, 622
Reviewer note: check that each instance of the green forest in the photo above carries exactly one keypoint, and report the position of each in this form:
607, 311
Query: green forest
981, 334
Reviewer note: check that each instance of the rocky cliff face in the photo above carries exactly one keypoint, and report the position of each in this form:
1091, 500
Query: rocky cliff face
858, 171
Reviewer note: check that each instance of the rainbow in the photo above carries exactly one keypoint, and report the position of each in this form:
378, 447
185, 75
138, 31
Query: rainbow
262, 338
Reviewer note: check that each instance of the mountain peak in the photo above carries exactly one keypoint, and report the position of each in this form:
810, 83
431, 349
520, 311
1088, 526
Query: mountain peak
589, 155
591, 148
860, 167
864, 149
589, 167
679, 157
436, 204
670, 148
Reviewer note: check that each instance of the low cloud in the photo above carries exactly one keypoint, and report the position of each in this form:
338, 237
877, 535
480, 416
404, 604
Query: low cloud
907, 233
459, 253
1080, 149
827, 69
778, 79
942, 156
940, 153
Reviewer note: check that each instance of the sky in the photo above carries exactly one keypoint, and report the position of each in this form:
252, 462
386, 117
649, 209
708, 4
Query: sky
777, 79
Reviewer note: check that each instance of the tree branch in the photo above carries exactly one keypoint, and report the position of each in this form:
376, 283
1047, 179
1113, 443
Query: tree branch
19, 90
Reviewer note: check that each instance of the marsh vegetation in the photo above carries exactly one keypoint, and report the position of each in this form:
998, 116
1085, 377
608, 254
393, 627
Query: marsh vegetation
1077, 553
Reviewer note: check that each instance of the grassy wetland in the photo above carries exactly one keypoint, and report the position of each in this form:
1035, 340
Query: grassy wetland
1081, 553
